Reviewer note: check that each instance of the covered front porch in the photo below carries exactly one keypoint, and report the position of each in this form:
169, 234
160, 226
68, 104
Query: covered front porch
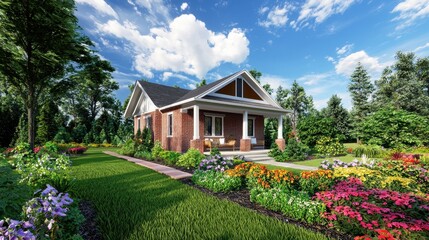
231, 128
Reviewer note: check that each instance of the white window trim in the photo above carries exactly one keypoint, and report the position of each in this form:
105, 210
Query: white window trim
254, 119
213, 116
168, 124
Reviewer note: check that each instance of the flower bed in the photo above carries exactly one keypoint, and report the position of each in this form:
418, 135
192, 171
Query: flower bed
383, 199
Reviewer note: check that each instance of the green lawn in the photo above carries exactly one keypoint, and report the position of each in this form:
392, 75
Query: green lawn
133, 202
295, 171
12, 195
316, 162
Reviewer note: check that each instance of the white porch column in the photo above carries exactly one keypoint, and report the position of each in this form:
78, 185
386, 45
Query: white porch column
196, 122
280, 128
245, 125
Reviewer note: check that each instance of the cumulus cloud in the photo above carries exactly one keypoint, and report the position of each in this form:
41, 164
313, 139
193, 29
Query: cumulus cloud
184, 6
101, 6
276, 17
345, 49
185, 45
347, 65
313, 79
409, 11
317, 11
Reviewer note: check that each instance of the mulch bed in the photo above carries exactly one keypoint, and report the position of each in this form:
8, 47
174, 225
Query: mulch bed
89, 230
242, 198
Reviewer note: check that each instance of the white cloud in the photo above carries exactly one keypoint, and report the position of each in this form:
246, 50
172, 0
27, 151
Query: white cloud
274, 81
184, 6
168, 75
313, 79
347, 65
331, 59
409, 11
186, 45
345, 49
318, 11
420, 48
277, 16
101, 6
157, 9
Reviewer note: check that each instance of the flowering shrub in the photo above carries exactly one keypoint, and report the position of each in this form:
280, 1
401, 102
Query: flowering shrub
360, 172
338, 163
292, 204
260, 176
240, 170
9, 151
38, 171
327, 146
76, 150
41, 217
361, 211
216, 181
315, 181
216, 163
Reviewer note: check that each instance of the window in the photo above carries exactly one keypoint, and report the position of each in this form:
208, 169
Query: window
149, 121
239, 87
213, 126
138, 124
170, 124
251, 127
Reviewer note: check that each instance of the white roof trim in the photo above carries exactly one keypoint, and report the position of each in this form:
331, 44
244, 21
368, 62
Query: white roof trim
279, 110
131, 100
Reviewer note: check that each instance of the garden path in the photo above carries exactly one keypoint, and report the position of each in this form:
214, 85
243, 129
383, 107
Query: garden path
171, 172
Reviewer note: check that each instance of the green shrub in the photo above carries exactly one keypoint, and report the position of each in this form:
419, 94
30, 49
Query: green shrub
295, 150
190, 159
170, 157
157, 149
129, 148
144, 155
214, 151
330, 147
293, 204
51, 147
275, 151
371, 151
70, 224
216, 181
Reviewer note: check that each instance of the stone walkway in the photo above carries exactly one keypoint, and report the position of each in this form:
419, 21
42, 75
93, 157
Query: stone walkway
287, 165
171, 172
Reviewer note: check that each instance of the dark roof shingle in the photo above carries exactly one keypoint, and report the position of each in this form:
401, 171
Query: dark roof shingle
162, 95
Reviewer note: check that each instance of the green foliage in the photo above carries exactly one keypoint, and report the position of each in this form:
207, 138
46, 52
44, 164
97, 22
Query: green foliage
70, 224
315, 126
371, 151
297, 205
274, 151
361, 89
339, 116
214, 151
129, 148
170, 157
157, 149
144, 155
79, 133
51, 147
216, 181
295, 150
190, 159
10, 112
392, 128
146, 140
62, 136
330, 147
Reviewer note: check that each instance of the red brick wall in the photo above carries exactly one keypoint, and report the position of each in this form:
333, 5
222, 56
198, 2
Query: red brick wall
183, 128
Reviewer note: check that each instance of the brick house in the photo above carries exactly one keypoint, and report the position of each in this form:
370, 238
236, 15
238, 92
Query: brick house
228, 112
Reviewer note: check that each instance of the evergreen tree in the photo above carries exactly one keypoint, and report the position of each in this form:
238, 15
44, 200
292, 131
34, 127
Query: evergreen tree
360, 89
339, 116
256, 75
202, 83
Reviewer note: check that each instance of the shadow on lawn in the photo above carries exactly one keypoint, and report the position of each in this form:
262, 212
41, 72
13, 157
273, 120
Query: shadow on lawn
124, 195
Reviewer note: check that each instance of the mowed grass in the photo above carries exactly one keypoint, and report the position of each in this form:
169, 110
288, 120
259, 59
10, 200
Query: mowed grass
133, 202
316, 162
272, 167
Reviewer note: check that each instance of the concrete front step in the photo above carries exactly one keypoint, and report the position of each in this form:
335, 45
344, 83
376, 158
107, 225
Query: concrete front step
254, 159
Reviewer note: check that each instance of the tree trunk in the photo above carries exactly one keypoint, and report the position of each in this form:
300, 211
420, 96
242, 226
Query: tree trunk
31, 107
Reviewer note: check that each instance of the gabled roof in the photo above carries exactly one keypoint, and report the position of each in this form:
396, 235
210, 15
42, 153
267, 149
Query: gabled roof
202, 89
162, 95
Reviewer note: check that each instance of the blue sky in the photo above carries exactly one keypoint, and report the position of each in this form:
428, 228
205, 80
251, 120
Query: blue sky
316, 42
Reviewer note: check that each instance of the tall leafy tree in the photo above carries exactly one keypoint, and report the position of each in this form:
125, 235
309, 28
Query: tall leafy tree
256, 75
202, 83
11, 110
361, 89
39, 39
402, 87
339, 116
296, 100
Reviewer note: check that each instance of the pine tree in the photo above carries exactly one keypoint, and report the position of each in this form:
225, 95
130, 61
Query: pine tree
361, 89
340, 117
